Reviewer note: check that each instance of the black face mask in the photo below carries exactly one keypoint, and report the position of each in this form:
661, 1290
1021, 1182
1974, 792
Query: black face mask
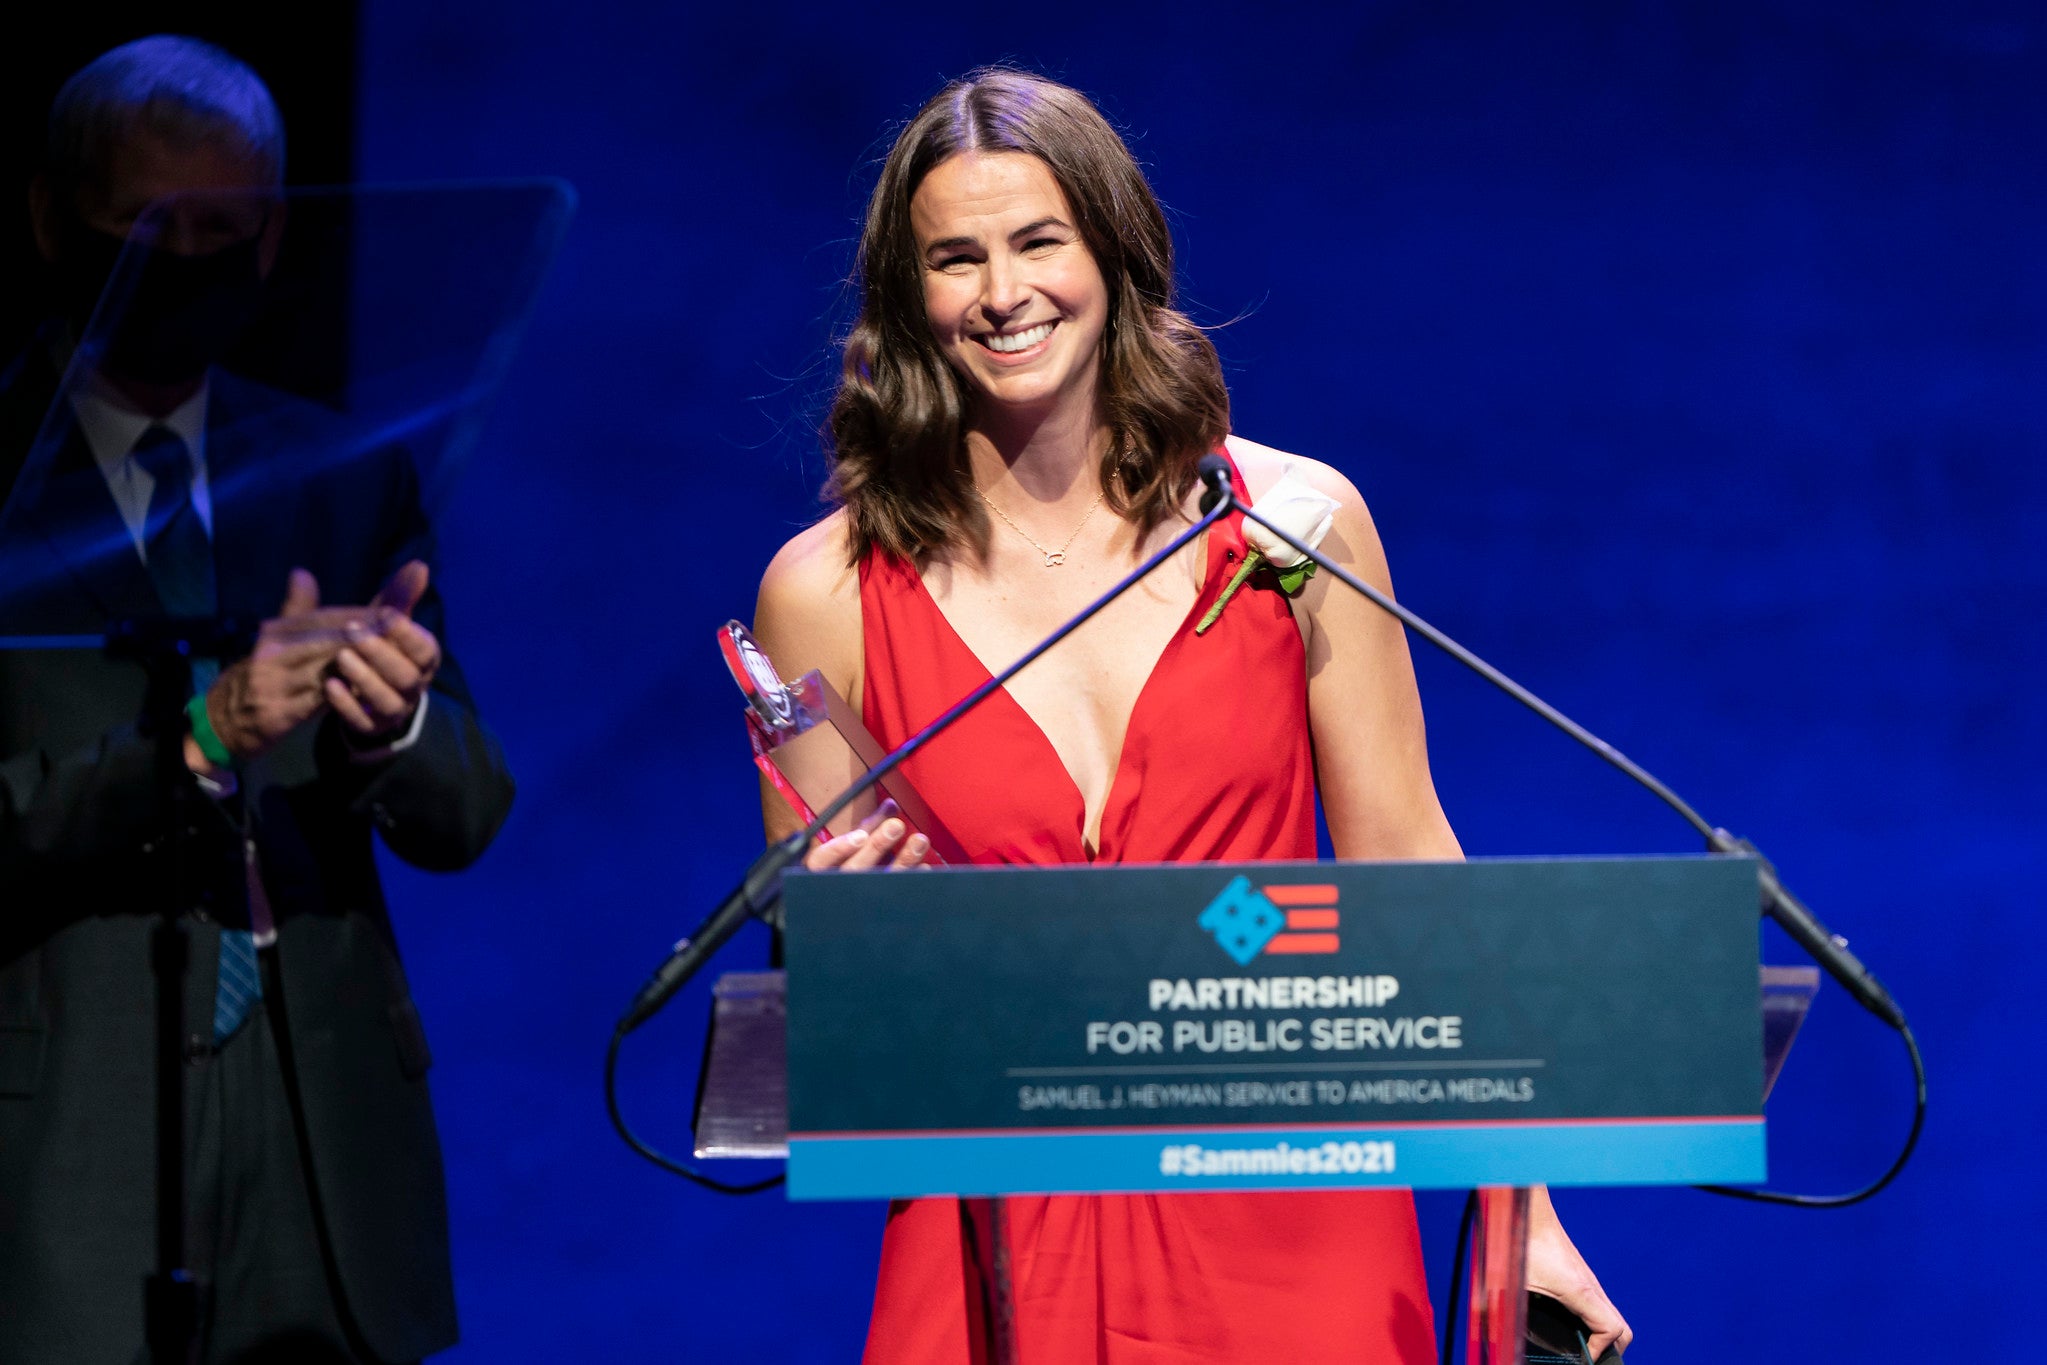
184, 314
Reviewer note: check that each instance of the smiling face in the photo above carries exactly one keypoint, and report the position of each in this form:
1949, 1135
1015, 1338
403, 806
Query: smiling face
1012, 293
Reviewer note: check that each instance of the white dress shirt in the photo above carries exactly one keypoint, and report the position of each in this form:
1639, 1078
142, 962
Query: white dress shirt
112, 430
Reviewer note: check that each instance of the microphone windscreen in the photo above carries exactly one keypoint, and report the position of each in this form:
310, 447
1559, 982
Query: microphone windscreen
1214, 471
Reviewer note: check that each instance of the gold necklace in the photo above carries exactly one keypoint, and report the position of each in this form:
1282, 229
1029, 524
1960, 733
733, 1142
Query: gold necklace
1053, 558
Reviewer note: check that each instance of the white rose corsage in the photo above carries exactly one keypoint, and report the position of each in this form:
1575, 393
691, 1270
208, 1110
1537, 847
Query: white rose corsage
1300, 511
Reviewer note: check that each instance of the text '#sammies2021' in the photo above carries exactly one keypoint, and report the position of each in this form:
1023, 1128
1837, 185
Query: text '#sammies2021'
1281, 1158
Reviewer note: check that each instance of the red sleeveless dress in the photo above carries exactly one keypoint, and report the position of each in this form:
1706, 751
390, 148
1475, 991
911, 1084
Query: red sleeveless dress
1297, 1279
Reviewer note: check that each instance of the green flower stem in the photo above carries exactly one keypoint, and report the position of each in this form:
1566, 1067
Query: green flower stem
1251, 561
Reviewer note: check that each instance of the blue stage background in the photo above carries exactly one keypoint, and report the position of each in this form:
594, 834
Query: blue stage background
1691, 359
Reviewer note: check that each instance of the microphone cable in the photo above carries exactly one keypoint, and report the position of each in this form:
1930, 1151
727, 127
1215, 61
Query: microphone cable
1842, 1201
1455, 1292
662, 1159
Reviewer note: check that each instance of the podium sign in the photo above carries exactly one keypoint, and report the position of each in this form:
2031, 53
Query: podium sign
984, 1031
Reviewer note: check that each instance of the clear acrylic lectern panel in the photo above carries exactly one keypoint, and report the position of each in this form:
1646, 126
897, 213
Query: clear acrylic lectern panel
743, 1096
330, 348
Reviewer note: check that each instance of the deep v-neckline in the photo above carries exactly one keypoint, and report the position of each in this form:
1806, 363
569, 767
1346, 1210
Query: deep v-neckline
1210, 547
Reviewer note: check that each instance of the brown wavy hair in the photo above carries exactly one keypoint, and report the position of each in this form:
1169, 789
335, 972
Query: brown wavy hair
896, 436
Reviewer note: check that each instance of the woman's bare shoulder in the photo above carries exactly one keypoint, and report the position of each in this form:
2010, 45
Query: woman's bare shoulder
808, 613
814, 561
1262, 465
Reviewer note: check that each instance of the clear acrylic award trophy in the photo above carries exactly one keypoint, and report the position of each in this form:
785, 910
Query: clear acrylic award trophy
810, 745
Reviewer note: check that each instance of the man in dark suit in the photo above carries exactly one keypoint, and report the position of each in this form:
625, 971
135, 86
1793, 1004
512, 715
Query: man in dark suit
153, 484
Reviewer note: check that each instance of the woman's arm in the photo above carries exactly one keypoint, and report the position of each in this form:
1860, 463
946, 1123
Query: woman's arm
1372, 766
808, 616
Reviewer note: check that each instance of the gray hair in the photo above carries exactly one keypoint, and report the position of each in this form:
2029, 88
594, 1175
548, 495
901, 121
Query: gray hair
181, 89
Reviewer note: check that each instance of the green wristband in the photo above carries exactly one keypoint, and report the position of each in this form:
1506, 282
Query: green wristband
203, 733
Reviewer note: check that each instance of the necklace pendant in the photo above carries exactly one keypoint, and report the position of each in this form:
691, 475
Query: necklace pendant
1054, 558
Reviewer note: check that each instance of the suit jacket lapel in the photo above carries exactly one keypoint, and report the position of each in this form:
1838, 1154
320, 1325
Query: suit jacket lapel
68, 507
254, 510
81, 525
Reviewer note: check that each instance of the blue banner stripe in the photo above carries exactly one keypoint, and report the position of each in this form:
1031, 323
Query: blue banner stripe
1717, 1151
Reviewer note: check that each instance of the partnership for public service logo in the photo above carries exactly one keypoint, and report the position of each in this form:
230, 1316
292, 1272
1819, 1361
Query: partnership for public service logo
1248, 920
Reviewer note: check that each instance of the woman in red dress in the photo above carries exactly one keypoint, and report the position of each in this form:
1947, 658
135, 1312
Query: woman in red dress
1017, 426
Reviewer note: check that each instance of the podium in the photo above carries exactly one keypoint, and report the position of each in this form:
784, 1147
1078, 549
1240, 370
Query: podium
1494, 1024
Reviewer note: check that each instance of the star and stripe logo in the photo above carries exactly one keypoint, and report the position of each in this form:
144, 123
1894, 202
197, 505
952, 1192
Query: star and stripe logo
1277, 919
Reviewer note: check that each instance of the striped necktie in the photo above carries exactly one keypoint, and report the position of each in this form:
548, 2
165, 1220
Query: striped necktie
180, 560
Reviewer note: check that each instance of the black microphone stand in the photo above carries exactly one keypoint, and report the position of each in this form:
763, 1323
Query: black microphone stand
172, 1295
1829, 950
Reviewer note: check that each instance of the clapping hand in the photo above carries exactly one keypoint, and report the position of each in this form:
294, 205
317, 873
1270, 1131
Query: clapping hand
388, 661
369, 664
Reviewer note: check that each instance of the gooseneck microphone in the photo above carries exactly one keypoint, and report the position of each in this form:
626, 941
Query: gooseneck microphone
759, 892
1827, 949
756, 894
1214, 472
761, 888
